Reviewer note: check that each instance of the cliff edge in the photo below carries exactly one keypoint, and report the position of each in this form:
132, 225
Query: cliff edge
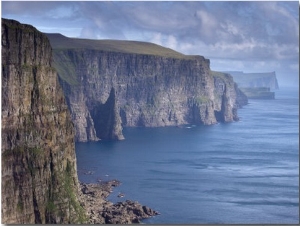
153, 86
39, 178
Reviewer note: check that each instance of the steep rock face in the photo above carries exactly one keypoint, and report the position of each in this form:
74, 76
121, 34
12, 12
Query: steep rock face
242, 98
39, 179
150, 90
107, 118
228, 97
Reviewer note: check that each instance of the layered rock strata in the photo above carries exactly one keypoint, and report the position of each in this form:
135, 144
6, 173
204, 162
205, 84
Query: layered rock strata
39, 175
39, 178
153, 86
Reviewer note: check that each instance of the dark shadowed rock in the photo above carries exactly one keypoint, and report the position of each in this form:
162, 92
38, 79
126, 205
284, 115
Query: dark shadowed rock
107, 120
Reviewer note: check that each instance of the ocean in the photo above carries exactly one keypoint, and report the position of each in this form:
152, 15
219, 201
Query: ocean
245, 172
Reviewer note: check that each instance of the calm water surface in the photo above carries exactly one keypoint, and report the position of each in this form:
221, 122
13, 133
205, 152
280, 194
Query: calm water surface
243, 172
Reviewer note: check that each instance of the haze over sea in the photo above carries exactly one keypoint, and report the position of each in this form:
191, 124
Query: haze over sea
245, 172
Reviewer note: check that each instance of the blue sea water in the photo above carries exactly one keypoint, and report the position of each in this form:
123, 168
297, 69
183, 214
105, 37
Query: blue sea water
245, 172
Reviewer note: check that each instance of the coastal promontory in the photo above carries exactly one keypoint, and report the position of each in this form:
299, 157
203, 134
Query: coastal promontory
39, 177
39, 173
149, 86
256, 85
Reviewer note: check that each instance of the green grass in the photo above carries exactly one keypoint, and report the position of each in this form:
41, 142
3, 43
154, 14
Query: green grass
20, 206
50, 206
218, 74
65, 68
202, 100
69, 188
59, 41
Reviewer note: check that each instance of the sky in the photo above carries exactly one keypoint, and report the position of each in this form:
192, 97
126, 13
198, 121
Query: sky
236, 36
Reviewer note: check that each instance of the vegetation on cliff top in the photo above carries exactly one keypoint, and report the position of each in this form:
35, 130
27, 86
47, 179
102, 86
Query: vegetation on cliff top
59, 41
65, 68
218, 74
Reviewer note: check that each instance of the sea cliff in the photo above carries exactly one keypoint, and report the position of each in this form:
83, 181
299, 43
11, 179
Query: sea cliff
256, 85
39, 173
39, 178
146, 85
263, 79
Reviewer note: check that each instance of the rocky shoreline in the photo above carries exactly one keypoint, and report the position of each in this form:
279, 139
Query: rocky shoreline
102, 211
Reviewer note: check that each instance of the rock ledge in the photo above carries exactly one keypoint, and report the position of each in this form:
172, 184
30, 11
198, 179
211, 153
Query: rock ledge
102, 211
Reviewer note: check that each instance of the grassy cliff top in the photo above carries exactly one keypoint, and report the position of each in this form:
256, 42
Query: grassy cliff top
59, 41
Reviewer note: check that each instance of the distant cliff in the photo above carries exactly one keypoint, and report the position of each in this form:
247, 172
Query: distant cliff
145, 85
256, 85
267, 79
39, 178
258, 93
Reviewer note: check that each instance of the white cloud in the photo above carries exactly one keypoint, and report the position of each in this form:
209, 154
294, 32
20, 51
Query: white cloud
294, 67
157, 39
171, 42
88, 32
231, 34
208, 21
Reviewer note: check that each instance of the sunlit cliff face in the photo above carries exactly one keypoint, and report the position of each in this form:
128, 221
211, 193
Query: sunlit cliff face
39, 178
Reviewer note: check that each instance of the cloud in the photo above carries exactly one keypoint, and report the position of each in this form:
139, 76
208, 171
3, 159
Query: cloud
171, 42
245, 32
88, 32
157, 38
208, 23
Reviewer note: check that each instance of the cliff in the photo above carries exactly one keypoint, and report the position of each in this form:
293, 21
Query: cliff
255, 80
151, 85
258, 93
39, 178
256, 85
